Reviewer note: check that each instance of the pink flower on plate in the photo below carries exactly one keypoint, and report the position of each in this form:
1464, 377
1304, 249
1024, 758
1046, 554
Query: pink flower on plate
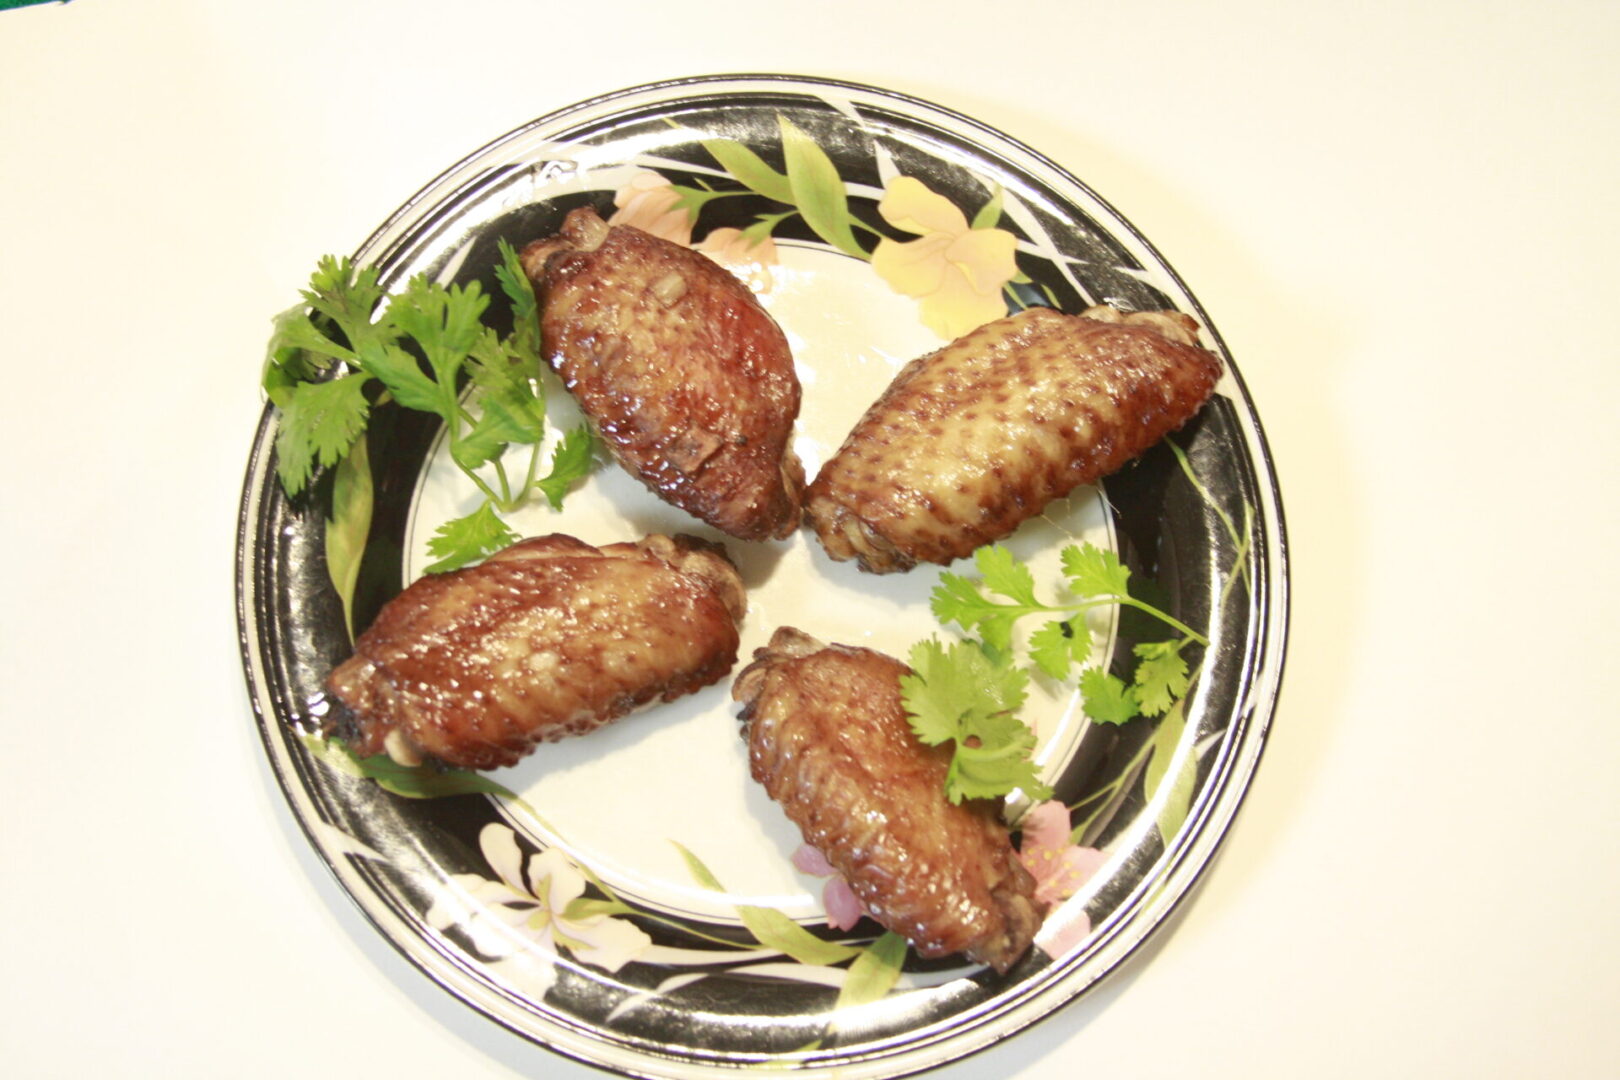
1060, 869
650, 203
844, 908
955, 271
749, 259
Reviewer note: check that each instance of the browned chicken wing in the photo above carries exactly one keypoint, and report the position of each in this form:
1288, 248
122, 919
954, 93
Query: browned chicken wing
970, 441
687, 379
828, 737
549, 638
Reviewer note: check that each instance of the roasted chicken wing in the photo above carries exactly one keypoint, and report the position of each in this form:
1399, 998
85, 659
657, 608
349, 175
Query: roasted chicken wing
970, 441
828, 738
686, 378
548, 638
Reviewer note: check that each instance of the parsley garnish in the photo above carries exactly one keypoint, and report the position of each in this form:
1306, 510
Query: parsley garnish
345, 349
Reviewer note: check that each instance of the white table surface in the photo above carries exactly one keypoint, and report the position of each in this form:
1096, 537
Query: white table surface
1403, 220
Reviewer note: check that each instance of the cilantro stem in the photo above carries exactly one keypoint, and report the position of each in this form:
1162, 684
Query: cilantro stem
1101, 600
529, 478
506, 503
488, 492
1169, 620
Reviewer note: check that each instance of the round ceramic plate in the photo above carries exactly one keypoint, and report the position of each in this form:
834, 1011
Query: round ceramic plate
630, 898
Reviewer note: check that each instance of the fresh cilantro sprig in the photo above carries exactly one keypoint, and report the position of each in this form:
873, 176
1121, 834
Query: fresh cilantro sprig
346, 348
1004, 593
322, 417
964, 694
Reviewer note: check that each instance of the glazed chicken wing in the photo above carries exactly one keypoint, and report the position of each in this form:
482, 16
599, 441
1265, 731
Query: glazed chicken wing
829, 739
548, 638
970, 441
686, 378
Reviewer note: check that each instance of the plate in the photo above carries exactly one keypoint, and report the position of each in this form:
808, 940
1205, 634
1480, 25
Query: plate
629, 899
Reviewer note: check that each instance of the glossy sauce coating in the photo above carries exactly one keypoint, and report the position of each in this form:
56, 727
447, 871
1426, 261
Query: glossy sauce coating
828, 738
687, 379
972, 440
551, 637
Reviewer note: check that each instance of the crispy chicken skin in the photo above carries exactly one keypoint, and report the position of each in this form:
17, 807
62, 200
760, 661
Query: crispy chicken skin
548, 638
686, 378
970, 441
828, 738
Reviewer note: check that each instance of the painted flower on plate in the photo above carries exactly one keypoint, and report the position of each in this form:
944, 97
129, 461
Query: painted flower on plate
650, 203
525, 913
955, 271
1060, 869
749, 258
843, 907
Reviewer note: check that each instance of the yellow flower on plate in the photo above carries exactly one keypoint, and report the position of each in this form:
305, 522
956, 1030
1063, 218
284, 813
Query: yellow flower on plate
650, 203
955, 271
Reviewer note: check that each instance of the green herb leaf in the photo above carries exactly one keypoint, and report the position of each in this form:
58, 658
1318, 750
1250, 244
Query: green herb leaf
1161, 675
319, 422
1094, 572
465, 540
444, 322
948, 684
297, 352
1004, 575
571, 462
499, 425
402, 375
963, 694
1107, 699
323, 418
508, 383
993, 758
519, 290
348, 296
1060, 644
957, 599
